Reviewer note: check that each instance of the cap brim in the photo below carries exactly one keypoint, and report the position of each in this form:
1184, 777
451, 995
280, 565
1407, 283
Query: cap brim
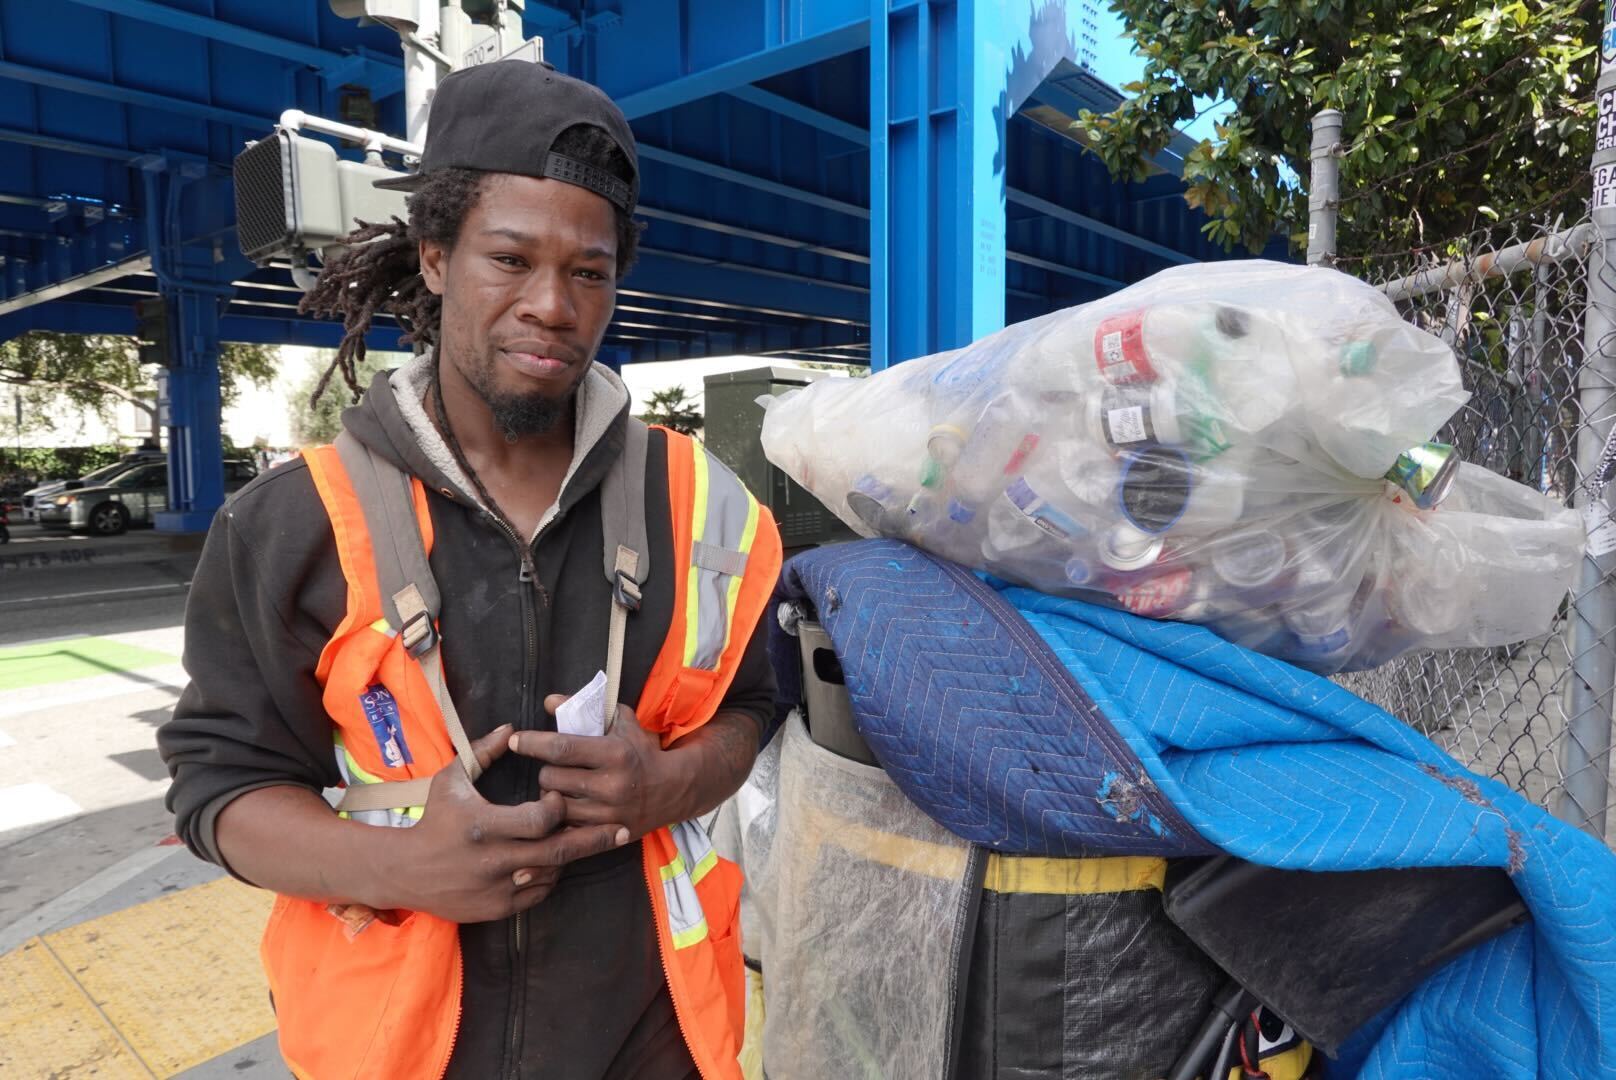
407, 182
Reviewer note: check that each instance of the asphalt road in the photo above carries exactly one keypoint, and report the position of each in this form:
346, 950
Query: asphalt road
56, 585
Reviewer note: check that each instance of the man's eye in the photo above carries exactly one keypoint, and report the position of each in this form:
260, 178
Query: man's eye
507, 260
592, 275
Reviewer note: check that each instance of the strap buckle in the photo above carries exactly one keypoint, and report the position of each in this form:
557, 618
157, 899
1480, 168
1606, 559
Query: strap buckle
418, 634
626, 593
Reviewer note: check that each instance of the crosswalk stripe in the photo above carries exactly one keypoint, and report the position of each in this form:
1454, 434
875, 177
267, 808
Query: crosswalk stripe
31, 804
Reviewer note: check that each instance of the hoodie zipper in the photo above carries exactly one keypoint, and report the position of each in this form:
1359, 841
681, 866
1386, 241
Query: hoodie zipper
526, 575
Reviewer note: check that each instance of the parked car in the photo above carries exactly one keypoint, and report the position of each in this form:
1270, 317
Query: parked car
133, 497
37, 498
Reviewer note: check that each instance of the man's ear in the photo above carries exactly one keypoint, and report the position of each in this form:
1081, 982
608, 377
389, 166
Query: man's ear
434, 258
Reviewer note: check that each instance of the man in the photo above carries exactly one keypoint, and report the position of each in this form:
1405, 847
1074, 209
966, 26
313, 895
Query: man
542, 921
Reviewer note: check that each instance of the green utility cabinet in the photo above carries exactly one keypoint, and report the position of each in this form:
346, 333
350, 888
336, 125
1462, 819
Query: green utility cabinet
734, 426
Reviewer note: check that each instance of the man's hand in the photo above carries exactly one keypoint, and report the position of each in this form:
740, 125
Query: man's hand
626, 777
469, 860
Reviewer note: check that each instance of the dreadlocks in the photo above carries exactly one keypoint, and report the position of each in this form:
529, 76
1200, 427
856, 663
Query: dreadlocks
379, 268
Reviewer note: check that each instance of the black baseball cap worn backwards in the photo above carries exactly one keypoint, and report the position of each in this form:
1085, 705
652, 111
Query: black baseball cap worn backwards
505, 116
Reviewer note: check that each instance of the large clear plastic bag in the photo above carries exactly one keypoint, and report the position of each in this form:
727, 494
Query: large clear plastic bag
1242, 445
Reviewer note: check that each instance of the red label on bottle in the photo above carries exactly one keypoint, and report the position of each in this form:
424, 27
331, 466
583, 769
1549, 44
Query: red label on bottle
1019, 458
1162, 594
1119, 350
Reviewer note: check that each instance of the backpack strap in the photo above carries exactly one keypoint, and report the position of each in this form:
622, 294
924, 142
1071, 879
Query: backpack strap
624, 548
410, 600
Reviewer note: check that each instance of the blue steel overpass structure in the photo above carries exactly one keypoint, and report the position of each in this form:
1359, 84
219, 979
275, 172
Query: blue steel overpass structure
842, 179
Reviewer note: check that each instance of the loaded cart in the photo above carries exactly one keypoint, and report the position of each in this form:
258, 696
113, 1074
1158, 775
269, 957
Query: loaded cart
972, 853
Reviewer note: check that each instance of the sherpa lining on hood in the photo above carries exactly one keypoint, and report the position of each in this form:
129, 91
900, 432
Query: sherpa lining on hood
602, 396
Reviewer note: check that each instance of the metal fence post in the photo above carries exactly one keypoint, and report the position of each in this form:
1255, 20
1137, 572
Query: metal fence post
1324, 187
1585, 753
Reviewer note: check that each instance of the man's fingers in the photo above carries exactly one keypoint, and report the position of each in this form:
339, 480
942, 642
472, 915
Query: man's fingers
574, 783
569, 845
536, 875
492, 745
582, 751
530, 820
554, 702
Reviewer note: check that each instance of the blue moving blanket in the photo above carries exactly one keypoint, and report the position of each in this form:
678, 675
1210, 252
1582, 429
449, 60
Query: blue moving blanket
1033, 724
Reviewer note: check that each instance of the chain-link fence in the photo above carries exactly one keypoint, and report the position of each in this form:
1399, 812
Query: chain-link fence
1515, 303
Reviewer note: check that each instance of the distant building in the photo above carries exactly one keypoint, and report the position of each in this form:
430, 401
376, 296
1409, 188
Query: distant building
1088, 42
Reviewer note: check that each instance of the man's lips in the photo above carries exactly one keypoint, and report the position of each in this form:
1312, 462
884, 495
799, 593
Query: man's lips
540, 362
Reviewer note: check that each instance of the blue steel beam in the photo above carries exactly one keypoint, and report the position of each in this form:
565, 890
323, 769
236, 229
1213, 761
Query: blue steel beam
724, 287
1094, 225
1065, 271
130, 96
750, 234
66, 146
204, 26
763, 64
758, 183
793, 110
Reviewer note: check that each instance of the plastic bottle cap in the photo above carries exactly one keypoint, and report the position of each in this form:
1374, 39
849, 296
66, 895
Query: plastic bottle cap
1078, 571
1357, 358
945, 443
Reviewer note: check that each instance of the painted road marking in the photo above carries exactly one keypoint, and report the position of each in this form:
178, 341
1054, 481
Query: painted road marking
170, 677
42, 663
33, 804
98, 592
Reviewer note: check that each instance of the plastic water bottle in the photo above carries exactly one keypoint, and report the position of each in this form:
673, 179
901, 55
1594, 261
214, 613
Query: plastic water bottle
1030, 539
980, 459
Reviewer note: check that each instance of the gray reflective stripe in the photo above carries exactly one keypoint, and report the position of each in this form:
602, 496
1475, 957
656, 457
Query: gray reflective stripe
696, 857
728, 507
718, 560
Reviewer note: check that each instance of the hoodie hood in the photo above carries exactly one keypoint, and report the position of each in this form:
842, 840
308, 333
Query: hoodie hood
392, 420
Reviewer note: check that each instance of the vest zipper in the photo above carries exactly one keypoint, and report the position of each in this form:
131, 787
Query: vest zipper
664, 952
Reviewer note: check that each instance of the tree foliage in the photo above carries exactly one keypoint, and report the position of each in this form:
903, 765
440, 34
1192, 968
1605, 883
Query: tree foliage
96, 371
320, 422
672, 408
1457, 112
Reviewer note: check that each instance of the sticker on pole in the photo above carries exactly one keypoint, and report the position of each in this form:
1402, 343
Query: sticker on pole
1604, 197
1596, 518
1607, 41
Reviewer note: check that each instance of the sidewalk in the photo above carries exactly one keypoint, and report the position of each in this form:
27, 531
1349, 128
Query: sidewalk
150, 969
121, 954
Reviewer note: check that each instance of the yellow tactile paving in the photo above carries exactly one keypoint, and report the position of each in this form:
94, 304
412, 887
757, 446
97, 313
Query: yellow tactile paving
178, 977
48, 1028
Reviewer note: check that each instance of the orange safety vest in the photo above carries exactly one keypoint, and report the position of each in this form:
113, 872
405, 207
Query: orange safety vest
385, 1001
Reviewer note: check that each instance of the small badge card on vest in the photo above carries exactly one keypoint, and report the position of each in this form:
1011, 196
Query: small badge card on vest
584, 713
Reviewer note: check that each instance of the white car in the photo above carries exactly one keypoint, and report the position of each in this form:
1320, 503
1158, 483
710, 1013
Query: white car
133, 497
37, 499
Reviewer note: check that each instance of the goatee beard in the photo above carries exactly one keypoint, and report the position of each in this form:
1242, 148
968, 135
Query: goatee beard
517, 417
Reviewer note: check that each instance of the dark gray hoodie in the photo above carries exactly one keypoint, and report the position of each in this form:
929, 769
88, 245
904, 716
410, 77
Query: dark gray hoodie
585, 994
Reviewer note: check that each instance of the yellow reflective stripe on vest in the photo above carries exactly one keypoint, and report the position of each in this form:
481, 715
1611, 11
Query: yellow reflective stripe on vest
695, 858
724, 521
353, 774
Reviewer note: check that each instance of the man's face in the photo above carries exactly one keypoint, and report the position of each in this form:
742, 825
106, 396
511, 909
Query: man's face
528, 290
